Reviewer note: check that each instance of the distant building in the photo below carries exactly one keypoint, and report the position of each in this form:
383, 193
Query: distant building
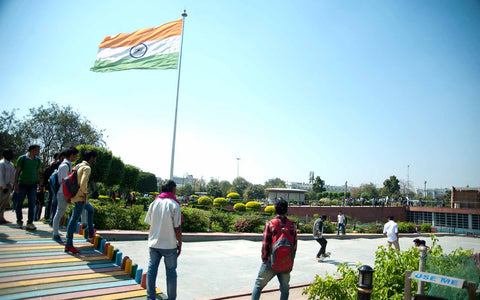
308, 187
465, 197
434, 193
181, 181
287, 194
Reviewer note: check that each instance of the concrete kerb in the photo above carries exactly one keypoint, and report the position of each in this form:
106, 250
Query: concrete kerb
131, 235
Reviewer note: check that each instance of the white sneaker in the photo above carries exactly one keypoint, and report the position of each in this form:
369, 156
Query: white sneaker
30, 226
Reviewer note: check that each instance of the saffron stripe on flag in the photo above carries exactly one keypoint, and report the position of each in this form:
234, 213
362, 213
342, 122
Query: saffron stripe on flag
149, 34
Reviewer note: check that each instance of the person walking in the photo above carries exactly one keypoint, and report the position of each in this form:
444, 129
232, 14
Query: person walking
27, 177
7, 177
80, 201
52, 166
278, 225
318, 227
341, 222
64, 169
390, 231
164, 239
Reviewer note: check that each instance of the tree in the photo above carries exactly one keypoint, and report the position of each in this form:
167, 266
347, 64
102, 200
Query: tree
391, 186
115, 172
310, 195
213, 188
275, 183
130, 177
256, 191
239, 185
101, 165
225, 187
318, 185
185, 190
11, 135
53, 127
146, 182
370, 191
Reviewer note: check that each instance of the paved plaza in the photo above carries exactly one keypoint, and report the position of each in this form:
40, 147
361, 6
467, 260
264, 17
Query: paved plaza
207, 269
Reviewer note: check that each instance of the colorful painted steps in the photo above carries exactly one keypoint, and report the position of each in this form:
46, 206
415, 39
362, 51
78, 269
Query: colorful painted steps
33, 266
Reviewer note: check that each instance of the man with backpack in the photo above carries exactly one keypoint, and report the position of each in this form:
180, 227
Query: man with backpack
318, 227
27, 177
64, 169
79, 199
278, 252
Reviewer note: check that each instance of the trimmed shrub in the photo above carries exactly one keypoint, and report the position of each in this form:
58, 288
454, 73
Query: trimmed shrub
222, 220
249, 223
233, 195
426, 227
205, 200
220, 202
328, 227
240, 207
406, 227
194, 220
307, 228
253, 206
270, 209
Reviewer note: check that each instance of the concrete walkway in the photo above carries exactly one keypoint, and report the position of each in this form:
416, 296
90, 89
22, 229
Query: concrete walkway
224, 266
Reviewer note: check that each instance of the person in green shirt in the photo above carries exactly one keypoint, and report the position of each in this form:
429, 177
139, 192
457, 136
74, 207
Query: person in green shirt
27, 177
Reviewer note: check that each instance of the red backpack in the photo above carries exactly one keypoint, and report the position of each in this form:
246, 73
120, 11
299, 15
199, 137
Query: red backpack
282, 245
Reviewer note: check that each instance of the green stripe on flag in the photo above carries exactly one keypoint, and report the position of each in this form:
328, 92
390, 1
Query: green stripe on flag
164, 61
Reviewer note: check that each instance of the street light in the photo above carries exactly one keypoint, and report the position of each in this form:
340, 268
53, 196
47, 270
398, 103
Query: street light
425, 189
238, 166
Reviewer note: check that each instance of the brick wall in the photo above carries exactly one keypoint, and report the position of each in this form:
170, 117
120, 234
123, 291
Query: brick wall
364, 214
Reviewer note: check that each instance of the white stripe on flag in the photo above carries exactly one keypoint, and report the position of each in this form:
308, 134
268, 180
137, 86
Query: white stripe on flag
164, 46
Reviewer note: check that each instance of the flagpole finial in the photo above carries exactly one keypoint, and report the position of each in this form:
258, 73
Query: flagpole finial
184, 13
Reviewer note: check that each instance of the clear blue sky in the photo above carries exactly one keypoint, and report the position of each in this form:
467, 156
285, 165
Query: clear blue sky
352, 90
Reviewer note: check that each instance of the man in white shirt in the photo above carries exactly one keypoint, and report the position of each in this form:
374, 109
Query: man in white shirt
341, 222
164, 239
7, 177
390, 230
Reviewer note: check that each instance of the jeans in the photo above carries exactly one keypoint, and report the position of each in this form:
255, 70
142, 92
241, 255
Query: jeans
265, 274
72, 225
29, 190
4, 200
48, 205
341, 225
61, 208
170, 268
323, 246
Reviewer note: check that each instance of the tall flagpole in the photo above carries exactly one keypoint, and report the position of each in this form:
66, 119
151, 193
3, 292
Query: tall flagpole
176, 105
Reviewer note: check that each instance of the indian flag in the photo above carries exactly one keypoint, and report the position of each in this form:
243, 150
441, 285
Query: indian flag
151, 48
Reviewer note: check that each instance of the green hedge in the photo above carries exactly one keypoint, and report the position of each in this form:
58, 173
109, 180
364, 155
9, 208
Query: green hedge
195, 220
249, 223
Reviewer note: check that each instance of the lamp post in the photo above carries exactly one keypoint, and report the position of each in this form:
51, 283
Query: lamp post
425, 189
365, 280
238, 166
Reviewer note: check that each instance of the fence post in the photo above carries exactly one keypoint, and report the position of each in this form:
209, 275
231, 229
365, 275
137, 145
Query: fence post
408, 285
421, 268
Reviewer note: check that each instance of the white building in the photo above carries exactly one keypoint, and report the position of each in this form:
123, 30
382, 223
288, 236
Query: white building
287, 194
